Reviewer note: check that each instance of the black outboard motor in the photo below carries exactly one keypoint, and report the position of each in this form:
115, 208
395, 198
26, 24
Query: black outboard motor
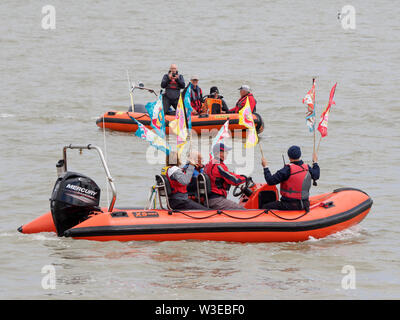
74, 196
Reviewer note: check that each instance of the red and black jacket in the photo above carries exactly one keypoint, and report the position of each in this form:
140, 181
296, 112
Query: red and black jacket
221, 178
242, 102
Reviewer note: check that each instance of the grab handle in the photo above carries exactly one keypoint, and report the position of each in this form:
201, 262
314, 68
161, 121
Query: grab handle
103, 161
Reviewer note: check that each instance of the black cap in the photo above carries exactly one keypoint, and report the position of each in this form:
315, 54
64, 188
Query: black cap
294, 152
213, 90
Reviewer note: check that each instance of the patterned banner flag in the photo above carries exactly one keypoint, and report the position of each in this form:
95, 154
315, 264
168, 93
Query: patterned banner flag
151, 137
246, 119
179, 127
309, 99
221, 135
188, 106
157, 117
323, 124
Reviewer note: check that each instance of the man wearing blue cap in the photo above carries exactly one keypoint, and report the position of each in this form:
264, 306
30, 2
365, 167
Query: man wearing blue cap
221, 180
295, 179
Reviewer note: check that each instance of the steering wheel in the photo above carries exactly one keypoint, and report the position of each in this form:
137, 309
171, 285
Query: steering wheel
241, 188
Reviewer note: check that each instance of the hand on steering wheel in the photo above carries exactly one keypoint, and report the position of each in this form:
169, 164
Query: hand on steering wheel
239, 189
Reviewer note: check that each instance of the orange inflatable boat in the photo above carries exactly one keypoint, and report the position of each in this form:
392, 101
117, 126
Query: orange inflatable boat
201, 124
75, 213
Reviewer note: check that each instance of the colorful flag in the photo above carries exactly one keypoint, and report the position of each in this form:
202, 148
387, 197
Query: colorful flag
188, 106
179, 127
246, 119
309, 99
157, 117
221, 135
323, 123
150, 136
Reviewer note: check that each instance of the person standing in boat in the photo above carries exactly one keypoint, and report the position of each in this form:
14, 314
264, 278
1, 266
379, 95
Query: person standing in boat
196, 95
172, 82
244, 94
179, 178
295, 180
221, 180
214, 94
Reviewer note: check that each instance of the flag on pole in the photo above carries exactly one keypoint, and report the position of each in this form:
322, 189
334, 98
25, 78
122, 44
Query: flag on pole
309, 100
188, 106
179, 126
157, 117
323, 123
150, 136
221, 135
246, 119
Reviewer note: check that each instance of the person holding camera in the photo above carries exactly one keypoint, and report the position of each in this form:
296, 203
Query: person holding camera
172, 82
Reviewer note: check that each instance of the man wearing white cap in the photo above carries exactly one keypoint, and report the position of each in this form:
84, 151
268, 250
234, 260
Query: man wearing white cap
196, 94
244, 94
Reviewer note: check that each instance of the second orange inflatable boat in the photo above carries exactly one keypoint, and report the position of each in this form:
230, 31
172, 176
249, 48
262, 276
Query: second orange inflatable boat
121, 121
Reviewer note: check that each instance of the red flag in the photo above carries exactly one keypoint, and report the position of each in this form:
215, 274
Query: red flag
323, 123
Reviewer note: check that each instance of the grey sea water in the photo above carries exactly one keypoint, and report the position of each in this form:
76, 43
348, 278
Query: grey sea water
54, 84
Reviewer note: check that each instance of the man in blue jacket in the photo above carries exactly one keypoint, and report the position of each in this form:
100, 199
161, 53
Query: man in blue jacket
295, 181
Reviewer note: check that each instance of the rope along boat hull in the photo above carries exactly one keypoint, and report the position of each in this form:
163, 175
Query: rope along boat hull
329, 213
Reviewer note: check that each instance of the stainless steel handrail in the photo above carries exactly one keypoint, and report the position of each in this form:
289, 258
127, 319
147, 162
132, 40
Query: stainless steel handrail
103, 161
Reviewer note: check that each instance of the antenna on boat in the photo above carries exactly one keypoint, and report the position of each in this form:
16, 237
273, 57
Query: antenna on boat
130, 87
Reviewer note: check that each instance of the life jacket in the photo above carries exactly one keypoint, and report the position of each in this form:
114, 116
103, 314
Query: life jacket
299, 183
195, 98
213, 105
218, 185
173, 84
175, 185
242, 102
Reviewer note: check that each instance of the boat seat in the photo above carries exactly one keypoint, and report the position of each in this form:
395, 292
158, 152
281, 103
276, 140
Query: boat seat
266, 196
203, 188
163, 189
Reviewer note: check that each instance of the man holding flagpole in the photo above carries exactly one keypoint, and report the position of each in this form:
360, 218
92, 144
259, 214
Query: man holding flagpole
295, 181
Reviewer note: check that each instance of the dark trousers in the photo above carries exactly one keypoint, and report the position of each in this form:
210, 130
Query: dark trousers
286, 205
167, 102
186, 205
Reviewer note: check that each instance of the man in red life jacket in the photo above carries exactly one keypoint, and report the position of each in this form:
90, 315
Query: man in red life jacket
172, 82
221, 180
244, 94
295, 179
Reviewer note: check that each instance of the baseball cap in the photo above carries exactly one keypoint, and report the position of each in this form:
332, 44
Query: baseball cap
194, 77
245, 87
220, 147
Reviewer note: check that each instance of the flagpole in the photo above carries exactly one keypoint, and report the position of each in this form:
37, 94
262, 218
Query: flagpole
320, 138
187, 125
313, 82
262, 153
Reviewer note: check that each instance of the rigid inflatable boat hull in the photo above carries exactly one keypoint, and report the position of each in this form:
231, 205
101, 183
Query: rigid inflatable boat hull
329, 213
122, 121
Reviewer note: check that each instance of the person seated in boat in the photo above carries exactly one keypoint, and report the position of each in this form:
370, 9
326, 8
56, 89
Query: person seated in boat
199, 168
222, 106
244, 94
179, 178
196, 95
295, 181
221, 180
172, 82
